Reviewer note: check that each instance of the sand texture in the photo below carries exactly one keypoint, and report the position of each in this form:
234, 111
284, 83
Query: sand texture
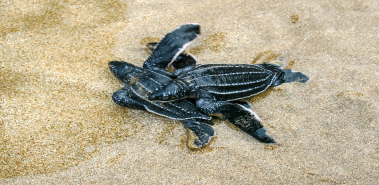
59, 125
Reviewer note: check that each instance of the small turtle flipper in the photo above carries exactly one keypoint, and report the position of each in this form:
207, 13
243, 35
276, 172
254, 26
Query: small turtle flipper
171, 46
289, 75
242, 117
183, 63
295, 76
203, 132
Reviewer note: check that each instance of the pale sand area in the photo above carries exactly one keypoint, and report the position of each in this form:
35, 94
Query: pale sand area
58, 123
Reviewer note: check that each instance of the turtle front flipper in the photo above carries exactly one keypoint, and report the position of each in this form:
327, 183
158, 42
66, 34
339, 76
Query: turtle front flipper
240, 116
202, 132
168, 49
182, 63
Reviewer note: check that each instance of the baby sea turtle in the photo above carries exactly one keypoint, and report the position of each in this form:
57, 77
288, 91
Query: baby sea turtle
140, 82
226, 82
216, 86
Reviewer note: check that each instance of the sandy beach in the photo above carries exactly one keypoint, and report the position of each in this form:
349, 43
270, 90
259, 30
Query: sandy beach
59, 125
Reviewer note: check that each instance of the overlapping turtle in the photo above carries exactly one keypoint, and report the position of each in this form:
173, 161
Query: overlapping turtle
194, 93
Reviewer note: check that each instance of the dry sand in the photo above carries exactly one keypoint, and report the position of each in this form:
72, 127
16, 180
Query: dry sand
58, 123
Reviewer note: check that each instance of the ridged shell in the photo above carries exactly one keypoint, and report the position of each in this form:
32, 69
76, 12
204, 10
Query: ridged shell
231, 82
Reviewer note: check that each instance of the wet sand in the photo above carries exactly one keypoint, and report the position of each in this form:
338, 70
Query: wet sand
58, 123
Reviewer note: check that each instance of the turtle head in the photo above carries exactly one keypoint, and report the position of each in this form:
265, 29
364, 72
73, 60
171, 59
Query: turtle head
175, 89
122, 70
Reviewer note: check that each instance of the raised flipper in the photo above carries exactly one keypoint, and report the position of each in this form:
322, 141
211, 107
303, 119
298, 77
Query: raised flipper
242, 117
203, 132
184, 62
171, 46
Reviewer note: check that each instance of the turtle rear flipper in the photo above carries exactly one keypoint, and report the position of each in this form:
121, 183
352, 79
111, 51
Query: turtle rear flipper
239, 115
295, 76
289, 76
202, 132
171, 46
